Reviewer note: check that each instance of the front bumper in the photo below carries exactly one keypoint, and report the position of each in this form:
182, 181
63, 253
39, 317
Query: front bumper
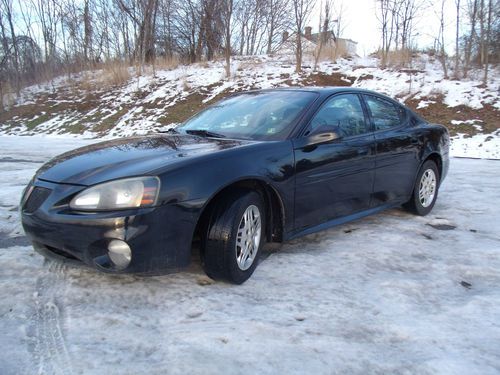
159, 237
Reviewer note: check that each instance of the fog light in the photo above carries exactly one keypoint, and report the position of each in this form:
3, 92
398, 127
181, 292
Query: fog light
119, 253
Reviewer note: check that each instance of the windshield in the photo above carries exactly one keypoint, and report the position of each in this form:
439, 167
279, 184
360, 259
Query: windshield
256, 115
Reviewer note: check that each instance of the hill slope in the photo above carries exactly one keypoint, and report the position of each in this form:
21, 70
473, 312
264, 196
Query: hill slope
93, 105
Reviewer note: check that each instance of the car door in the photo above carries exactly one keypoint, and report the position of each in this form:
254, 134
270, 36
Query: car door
397, 149
335, 178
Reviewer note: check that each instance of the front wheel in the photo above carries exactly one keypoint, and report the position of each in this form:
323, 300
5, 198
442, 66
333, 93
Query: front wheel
425, 190
234, 237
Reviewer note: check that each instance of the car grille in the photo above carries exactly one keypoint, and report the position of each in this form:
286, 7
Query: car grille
36, 198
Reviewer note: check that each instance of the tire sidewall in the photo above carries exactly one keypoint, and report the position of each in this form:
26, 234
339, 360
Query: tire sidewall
421, 210
238, 275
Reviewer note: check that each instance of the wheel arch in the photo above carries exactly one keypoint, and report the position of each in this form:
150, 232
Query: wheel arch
436, 158
275, 210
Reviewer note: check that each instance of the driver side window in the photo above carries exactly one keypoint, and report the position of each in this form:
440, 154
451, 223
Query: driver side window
342, 114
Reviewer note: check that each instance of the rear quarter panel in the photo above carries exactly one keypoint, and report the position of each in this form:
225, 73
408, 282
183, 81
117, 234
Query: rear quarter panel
436, 140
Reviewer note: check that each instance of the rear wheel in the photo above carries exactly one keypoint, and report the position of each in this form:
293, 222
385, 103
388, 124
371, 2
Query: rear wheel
425, 190
234, 237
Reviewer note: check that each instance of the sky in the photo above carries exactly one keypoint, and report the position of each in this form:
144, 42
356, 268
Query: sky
362, 25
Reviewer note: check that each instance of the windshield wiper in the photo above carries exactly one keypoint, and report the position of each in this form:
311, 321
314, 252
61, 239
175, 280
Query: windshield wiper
170, 130
204, 133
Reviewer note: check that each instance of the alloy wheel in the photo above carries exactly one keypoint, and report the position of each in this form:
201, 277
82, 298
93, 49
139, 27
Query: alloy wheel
248, 237
427, 188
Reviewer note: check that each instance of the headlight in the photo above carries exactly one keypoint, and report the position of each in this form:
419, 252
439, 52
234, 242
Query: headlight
119, 194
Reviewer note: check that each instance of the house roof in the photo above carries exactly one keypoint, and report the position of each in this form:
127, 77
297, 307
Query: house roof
315, 37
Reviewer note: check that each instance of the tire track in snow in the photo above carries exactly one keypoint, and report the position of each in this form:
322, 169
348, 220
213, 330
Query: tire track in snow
48, 344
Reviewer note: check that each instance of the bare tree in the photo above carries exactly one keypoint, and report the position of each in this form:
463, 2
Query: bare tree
408, 11
457, 39
242, 11
440, 39
487, 41
87, 22
397, 19
386, 20
187, 29
143, 14
324, 27
7, 8
338, 17
41, 38
278, 20
481, 32
470, 39
228, 14
302, 10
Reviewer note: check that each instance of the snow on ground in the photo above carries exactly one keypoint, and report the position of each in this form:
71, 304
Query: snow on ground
483, 146
392, 293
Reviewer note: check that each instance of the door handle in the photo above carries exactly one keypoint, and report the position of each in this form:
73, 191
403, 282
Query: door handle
415, 141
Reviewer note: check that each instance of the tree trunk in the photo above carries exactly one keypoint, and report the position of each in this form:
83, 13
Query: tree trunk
298, 54
481, 31
15, 47
487, 44
457, 36
443, 52
271, 32
87, 40
229, 13
468, 45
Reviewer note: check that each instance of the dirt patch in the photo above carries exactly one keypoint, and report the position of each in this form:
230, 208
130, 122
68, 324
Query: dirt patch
440, 113
335, 79
366, 77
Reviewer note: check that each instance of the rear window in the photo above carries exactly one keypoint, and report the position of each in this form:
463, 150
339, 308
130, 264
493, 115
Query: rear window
385, 114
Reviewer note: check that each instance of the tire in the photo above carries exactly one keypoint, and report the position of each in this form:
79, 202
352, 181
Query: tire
423, 198
224, 251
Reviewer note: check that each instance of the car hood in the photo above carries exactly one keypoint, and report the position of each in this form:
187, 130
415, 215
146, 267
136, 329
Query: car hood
125, 157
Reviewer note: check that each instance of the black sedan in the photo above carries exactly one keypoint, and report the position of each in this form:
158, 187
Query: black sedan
257, 166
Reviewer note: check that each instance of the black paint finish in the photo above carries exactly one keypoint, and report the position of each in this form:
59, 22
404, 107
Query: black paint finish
310, 182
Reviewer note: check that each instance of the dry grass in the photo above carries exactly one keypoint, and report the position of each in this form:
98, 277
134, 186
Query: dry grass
86, 83
204, 64
248, 64
331, 52
396, 59
115, 74
167, 63
7, 95
106, 76
340, 50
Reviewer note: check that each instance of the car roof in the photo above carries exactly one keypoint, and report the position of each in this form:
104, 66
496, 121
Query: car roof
321, 89
326, 91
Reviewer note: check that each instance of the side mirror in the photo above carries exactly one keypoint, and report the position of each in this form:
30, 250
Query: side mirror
321, 138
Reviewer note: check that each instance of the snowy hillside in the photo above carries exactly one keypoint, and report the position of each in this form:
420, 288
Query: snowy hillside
87, 104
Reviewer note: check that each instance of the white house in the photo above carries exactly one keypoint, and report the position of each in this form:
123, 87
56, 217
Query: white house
332, 46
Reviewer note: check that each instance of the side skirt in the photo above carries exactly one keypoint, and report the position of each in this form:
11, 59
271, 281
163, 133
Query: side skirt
341, 220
